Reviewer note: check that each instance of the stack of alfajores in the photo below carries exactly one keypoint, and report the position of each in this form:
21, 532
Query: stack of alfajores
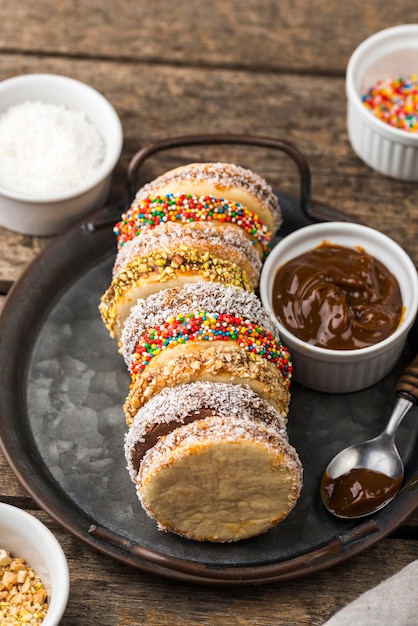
207, 446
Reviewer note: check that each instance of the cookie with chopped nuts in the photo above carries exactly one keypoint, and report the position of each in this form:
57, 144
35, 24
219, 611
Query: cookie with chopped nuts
172, 255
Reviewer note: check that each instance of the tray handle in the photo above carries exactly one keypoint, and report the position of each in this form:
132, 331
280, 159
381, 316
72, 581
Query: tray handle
212, 139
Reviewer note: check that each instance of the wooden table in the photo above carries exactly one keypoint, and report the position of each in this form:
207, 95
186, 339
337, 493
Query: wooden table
173, 68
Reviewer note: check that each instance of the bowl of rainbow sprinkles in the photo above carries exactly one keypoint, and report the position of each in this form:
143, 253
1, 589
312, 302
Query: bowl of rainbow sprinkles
60, 140
382, 93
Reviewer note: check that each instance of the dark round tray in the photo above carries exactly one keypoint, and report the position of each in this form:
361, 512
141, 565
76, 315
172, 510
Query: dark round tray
62, 425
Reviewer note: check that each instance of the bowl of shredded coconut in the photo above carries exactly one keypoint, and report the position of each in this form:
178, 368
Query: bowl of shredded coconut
60, 140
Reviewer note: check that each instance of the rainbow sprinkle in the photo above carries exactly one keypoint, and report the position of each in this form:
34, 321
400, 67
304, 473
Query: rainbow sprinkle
148, 212
203, 326
395, 102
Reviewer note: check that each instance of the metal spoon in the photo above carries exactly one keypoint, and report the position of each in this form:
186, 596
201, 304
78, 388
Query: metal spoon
365, 477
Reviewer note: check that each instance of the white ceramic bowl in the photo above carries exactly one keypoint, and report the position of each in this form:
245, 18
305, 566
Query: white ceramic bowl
343, 371
51, 214
24, 536
392, 52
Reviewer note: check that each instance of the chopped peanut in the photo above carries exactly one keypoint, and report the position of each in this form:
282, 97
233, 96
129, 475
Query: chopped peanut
23, 597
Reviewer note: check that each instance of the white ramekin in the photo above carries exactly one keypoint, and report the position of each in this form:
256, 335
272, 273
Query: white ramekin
49, 215
392, 52
24, 536
343, 371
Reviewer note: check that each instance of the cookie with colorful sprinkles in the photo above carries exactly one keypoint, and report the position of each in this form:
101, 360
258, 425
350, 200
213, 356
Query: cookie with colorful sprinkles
203, 331
225, 181
149, 212
212, 462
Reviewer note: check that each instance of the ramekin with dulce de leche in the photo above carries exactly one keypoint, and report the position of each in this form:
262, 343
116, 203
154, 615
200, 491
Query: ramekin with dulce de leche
345, 297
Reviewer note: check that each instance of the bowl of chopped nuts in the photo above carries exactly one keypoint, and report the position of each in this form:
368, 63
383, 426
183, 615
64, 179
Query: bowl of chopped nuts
382, 101
60, 140
34, 576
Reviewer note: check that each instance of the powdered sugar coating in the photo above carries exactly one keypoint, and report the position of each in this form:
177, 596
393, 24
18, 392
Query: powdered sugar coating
223, 176
200, 296
176, 403
164, 235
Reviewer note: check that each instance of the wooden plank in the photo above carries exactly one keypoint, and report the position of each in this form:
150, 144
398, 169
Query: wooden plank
134, 597
276, 36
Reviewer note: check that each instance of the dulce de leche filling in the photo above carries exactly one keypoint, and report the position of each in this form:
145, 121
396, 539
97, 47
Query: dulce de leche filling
161, 429
337, 297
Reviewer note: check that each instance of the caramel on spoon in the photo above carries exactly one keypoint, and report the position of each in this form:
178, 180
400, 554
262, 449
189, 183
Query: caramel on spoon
365, 477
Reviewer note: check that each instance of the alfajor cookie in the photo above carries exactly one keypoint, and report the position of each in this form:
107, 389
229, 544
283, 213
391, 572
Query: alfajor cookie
172, 255
212, 462
220, 180
203, 331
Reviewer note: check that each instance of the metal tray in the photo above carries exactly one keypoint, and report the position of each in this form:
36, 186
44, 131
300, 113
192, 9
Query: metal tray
62, 425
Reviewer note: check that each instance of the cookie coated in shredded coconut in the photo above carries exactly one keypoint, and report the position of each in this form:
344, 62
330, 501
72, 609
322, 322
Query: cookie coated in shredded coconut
200, 296
189, 438
176, 403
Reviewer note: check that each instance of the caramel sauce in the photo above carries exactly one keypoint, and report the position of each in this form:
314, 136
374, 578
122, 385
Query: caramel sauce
337, 297
358, 492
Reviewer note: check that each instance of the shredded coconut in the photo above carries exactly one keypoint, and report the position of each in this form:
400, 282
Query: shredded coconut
224, 399
47, 148
214, 430
197, 436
